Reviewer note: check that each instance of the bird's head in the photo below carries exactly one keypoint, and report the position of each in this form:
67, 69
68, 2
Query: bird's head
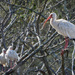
4, 51
10, 48
52, 15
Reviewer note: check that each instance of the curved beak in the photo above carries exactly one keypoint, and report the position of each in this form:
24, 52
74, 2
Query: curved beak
47, 20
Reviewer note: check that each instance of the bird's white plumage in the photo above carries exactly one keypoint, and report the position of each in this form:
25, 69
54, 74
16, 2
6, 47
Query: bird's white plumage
11, 54
3, 60
62, 26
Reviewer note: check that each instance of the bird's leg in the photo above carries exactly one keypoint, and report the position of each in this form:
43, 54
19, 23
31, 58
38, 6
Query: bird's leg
14, 63
66, 44
10, 64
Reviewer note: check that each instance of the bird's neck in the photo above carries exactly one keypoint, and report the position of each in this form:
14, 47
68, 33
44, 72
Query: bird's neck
3, 54
52, 21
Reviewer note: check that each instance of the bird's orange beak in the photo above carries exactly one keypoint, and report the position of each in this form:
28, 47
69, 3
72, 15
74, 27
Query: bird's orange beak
47, 20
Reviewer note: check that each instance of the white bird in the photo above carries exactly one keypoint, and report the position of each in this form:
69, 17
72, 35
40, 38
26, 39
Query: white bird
63, 27
11, 55
3, 60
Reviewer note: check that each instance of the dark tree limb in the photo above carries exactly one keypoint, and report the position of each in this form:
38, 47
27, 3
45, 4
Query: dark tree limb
3, 8
38, 20
3, 38
29, 56
62, 67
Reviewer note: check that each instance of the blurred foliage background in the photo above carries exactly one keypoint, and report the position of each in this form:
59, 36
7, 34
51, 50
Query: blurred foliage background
20, 24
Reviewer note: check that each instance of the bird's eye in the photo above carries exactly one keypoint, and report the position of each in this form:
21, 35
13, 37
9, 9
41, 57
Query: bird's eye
51, 15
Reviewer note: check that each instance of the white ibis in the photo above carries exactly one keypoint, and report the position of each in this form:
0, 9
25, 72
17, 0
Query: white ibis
11, 55
3, 60
63, 27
